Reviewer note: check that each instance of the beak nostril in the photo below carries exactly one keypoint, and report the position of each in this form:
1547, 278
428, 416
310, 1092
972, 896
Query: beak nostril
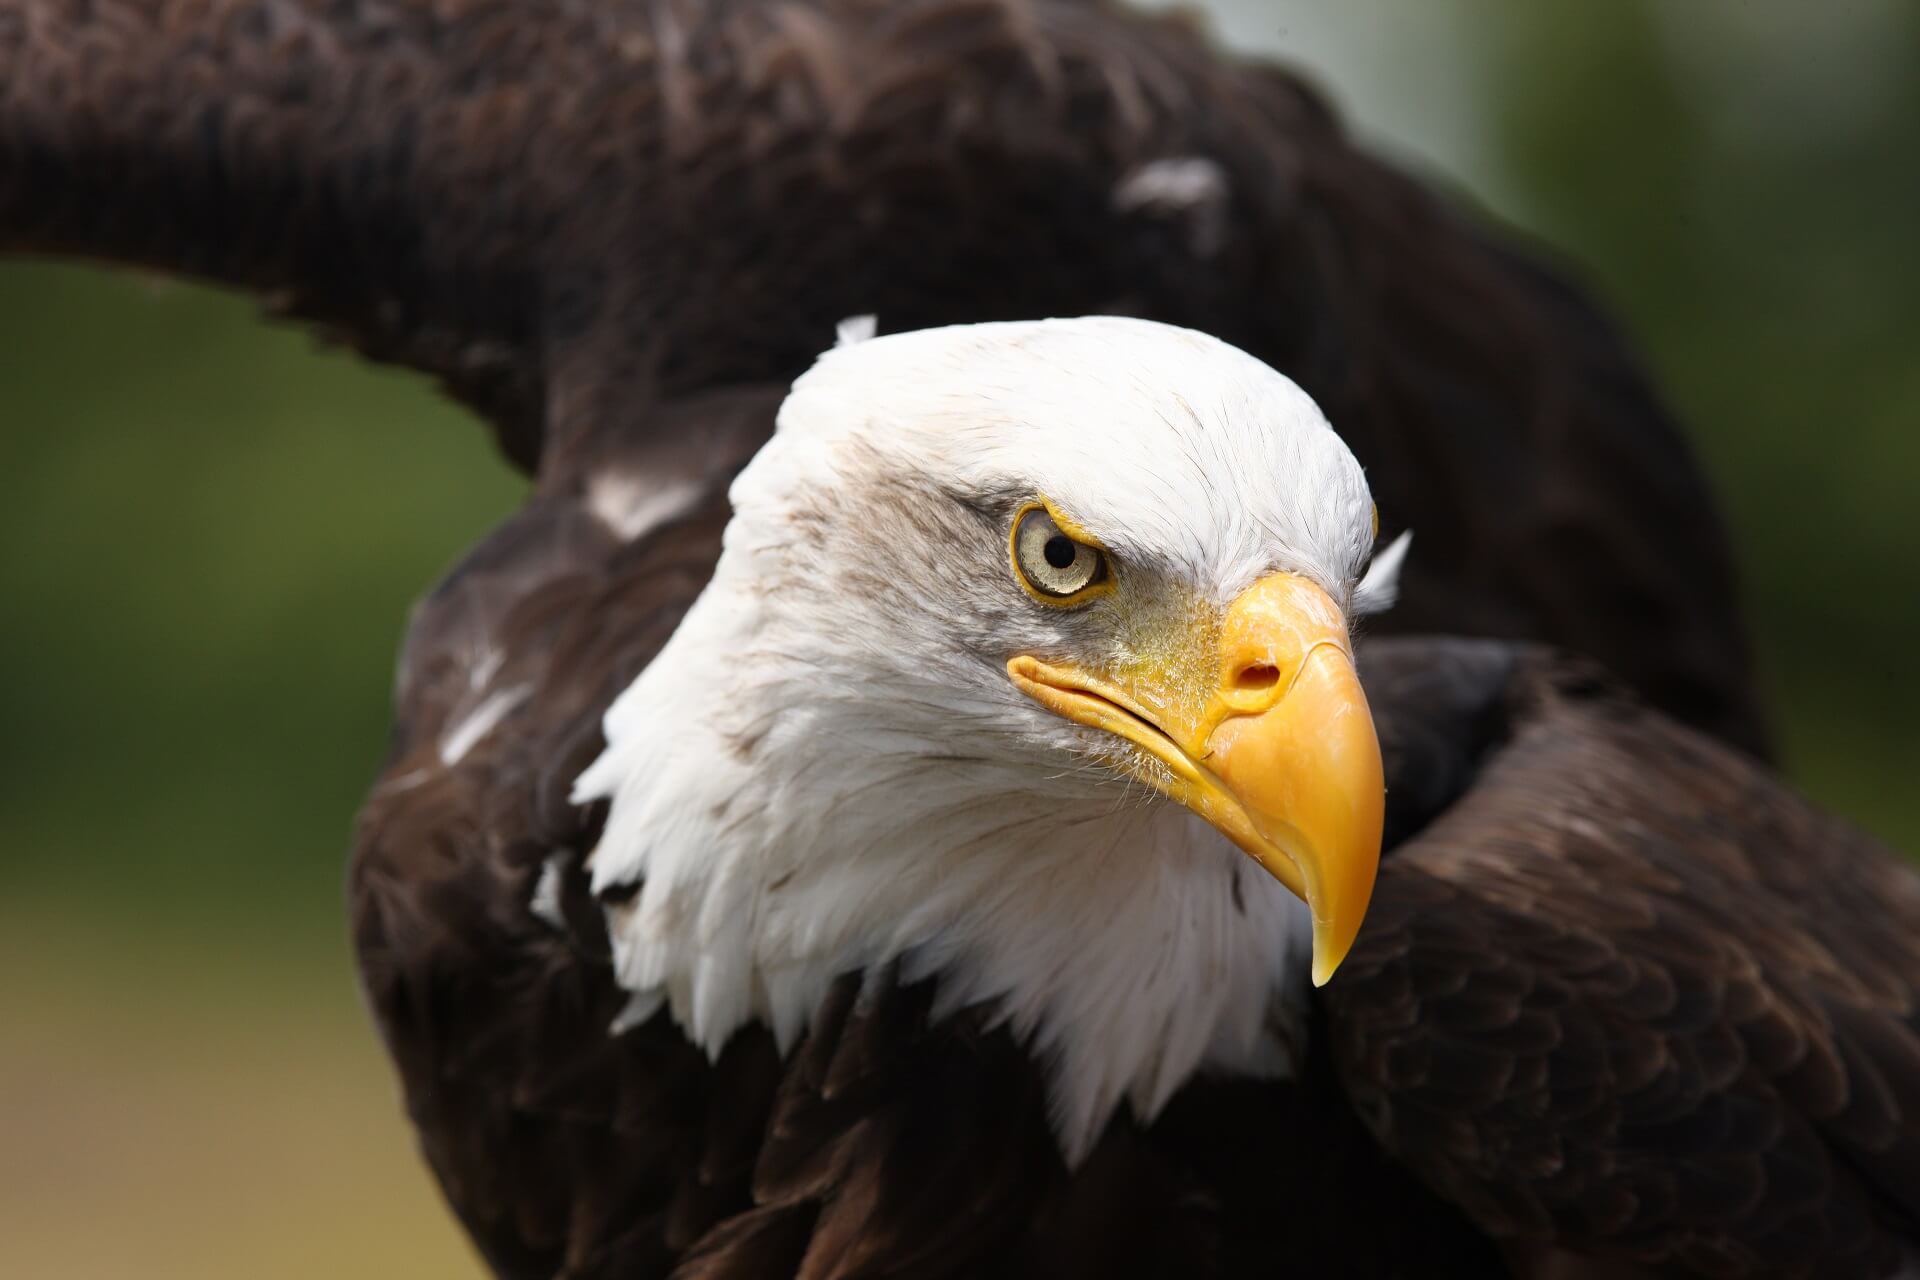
1257, 678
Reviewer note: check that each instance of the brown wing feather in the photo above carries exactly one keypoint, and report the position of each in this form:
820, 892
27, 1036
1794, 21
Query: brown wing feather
360, 165
1630, 996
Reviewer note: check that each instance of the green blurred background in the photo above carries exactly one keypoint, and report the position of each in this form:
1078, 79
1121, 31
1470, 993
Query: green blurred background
213, 531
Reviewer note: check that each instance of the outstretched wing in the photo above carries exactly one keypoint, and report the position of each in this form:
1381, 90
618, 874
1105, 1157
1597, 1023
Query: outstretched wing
577, 214
1626, 994
356, 165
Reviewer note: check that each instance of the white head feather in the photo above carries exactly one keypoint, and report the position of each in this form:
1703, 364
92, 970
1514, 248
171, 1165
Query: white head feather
827, 768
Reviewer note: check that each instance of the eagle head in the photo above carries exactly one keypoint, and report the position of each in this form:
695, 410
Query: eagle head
1025, 638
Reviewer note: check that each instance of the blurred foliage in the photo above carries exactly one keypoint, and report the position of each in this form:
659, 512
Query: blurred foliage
1739, 181
212, 535
212, 538
174, 1112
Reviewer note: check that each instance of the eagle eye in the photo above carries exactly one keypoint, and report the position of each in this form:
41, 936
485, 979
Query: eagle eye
1054, 566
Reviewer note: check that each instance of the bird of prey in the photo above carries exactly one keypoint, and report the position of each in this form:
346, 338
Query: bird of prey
956, 833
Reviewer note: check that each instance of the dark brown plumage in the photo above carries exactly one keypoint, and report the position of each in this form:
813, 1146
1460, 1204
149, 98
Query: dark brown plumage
579, 216
1627, 994
1621, 996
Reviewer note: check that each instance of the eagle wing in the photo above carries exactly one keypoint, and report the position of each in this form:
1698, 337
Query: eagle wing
577, 215
1620, 991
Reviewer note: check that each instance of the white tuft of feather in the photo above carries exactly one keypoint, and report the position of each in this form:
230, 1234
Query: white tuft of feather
1173, 182
1193, 188
545, 903
855, 329
1381, 587
640, 1006
467, 732
632, 504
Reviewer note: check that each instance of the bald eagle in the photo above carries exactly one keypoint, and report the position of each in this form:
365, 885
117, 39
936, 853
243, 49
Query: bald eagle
985, 877
956, 833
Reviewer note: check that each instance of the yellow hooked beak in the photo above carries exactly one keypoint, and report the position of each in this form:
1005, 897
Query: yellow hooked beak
1274, 746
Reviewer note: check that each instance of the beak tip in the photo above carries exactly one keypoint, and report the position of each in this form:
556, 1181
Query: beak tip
1323, 967
1332, 945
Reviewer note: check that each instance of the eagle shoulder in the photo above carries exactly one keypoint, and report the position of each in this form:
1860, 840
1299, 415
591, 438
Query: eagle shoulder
1628, 994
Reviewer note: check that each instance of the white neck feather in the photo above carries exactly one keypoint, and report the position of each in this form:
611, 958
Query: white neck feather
1124, 941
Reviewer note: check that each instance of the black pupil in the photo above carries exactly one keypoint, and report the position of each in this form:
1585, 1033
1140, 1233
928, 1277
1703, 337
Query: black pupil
1059, 551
